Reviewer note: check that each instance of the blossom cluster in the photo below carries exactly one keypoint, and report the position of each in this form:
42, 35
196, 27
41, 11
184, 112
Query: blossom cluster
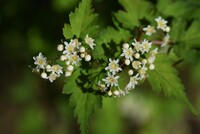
136, 59
72, 53
161, 25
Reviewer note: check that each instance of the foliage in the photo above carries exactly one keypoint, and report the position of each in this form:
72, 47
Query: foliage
131, 46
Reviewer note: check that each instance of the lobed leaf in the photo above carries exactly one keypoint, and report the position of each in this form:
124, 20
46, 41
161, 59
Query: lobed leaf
164, 79
134, 11
82, 22
84, 103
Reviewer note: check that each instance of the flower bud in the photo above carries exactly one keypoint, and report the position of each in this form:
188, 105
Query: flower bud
60, 47
130, 72
151, 67
127, 62
44, 75
109, 93
82, 49
126, 45
137, 55
68, 73
87, 57
70, 68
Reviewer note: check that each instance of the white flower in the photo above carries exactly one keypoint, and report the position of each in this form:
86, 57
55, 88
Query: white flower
149, 30
166, 40
111, 80
146, 46
142, 72
75, 43
127, 62
136, 64
137, 55
74, 59
82, 49
128, 53
70, 68
52, 77
102, 86
89, 41
116, 93
113, 66
132, 83
151, 59
161, 23
154, 52
130, 72
137, 45
57, 69
40, 61
69, 48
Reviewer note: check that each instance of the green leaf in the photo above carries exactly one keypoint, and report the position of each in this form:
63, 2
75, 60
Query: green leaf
164, 79
84, 103
106, 36
192, 35
82, 22
134, 11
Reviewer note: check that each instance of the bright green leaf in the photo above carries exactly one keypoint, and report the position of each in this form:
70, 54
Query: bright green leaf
82, 21
164, 79
134, 11
84, 103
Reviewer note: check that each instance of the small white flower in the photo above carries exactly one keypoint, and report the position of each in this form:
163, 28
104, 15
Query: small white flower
69, 48
166, 40
151, 59
154, 52
161, 23
167, 29
111, 80
48, 68
89, 41
87, 57
132, 83
75, 43
60, 47
146, 46
52, 77
137, 45
102, 86
128, 53
57, 69
67, 63
142, 72
40, 61
74, 59
113, 66
149, 30
136, 64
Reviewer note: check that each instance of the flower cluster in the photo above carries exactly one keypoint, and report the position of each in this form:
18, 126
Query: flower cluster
162, 25
136, 59
72, 53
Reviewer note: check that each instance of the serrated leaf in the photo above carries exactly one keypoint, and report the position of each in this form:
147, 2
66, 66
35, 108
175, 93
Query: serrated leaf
82, 21
84, 103
164, 79
134, 11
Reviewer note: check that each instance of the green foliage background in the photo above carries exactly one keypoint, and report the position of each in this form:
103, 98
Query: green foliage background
29, 104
